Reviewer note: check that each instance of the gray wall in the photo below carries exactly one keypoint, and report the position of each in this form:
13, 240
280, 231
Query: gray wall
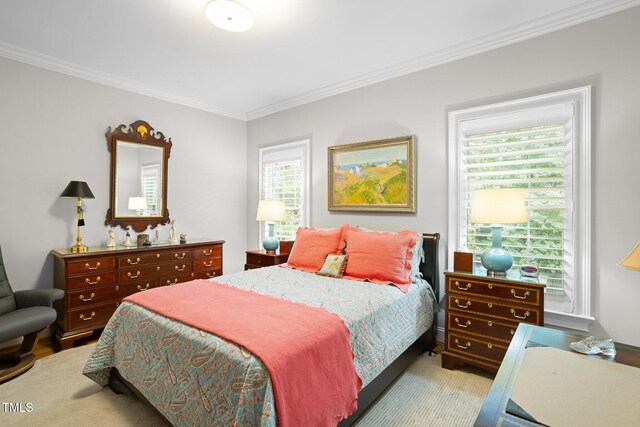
603, 53
52, 131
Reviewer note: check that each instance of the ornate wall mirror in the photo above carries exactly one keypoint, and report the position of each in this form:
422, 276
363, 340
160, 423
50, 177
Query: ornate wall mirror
139, 167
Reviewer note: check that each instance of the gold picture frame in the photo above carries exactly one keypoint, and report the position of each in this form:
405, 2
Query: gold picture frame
373, 176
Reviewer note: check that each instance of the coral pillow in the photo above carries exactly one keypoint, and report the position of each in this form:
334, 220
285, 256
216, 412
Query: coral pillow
380, 257
312, 246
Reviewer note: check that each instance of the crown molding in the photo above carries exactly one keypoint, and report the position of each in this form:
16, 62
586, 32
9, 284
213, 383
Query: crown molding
44, 61
568, 17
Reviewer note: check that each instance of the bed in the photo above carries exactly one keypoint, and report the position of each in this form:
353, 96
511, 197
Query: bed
179, 369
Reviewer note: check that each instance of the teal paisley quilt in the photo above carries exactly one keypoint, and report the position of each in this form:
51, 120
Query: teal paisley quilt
196, 378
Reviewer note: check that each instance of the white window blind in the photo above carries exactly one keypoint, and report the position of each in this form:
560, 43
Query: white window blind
150, 187
540, 144
284, 176
533, 158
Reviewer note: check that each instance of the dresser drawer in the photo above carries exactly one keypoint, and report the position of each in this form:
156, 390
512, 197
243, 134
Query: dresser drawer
91, 280
93, 265
175, 267
91, 317
176, 278
175, 255
490, 328
208, 274
520, 294
131, 288
138, 274
134, 260
207, 264
207, 252
496, 309
91, 296
476, 347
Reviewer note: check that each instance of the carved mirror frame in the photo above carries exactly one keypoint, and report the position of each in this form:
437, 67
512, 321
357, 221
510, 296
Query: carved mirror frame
138, 132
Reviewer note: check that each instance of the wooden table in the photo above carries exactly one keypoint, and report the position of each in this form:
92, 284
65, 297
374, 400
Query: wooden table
493, 411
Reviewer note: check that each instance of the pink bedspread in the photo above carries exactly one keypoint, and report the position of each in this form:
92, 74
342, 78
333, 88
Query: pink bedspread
305, 349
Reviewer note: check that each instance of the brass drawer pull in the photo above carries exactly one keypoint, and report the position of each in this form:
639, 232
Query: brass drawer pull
526, 314
457, 301
93, 313
461, 346
465, 325
157, 255
208, 264
89, 282
512, 332
489, 323
181, 269
211, 275
131, 276
82, 298
489, 345
133, 263
524, 296
207, 253
140, 288
88, 267
181, 257
174, 282
466, 288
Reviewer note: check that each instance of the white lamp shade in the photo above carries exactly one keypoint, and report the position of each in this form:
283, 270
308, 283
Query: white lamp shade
498, 206
270, 210
137, 203
632, 261
231, 15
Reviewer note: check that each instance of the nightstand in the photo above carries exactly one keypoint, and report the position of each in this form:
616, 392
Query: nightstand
259, 259
482, 314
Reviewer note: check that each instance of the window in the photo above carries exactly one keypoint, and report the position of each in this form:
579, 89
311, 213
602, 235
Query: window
541, 144
284, 175
150, 178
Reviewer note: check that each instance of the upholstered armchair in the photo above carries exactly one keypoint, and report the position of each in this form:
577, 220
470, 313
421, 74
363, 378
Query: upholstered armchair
23, 314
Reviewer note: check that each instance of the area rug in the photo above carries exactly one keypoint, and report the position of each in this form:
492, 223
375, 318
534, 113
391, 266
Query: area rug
54, 392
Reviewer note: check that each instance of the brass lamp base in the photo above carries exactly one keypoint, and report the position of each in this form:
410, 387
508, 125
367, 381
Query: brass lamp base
79, 248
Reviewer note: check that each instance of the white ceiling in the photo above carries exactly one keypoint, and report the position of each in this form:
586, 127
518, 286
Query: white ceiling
298, 51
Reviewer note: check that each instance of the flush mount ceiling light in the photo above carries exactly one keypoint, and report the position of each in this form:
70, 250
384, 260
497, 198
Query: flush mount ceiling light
231, 15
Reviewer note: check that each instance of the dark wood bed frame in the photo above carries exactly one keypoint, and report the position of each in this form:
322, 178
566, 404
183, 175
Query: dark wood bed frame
426, 342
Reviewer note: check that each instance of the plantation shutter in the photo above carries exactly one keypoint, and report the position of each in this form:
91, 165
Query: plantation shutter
529, 149
283, 178
150, 188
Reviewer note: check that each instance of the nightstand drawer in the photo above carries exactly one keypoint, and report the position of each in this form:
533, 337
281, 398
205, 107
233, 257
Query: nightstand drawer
486, 288
258, 259
490, 328
476, 347
496, 309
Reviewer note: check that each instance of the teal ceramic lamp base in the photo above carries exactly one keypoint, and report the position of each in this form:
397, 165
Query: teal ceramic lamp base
496, 260
270, 244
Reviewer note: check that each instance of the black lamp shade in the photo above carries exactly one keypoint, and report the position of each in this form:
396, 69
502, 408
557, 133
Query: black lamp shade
78, 189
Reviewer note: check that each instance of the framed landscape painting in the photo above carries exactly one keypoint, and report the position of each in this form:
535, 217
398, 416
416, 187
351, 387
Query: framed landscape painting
373, 176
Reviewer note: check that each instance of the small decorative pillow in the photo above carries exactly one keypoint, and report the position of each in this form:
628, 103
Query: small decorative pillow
334, 265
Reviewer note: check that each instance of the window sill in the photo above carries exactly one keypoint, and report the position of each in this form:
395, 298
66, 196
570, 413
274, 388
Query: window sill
566, 320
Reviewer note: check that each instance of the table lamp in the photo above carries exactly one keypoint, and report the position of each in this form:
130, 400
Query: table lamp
270, 210
498, 206
632, 261
137, 204
80, 190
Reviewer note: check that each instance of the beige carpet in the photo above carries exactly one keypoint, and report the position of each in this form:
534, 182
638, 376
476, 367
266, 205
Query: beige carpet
425, 395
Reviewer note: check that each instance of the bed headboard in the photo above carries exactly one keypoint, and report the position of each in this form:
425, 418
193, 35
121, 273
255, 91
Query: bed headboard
430, 267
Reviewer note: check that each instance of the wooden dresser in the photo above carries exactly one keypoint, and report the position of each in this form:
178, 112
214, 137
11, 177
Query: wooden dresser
95, 282
482, 314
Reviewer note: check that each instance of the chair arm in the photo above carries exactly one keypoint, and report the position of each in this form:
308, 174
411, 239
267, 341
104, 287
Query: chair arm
37, 297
